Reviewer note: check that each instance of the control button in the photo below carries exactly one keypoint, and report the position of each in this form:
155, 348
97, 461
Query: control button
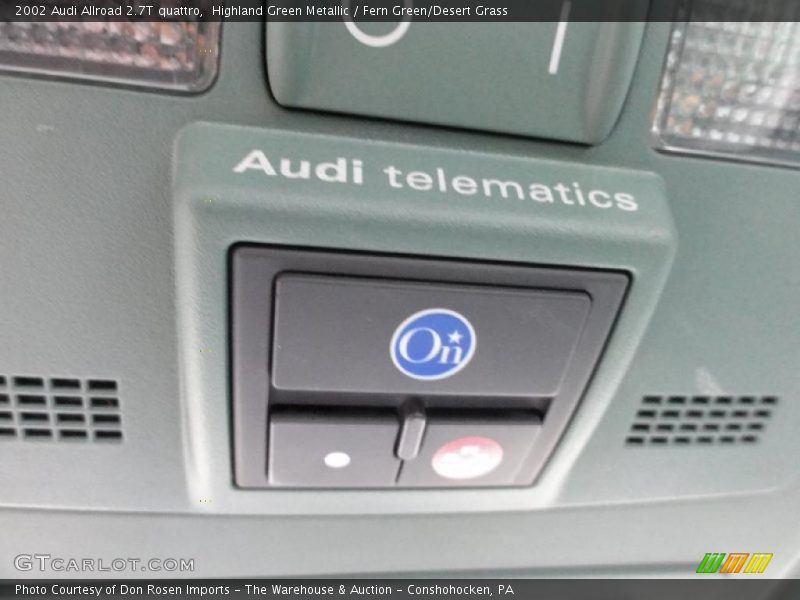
467, 458
561, 74
461, 449
342, 335
332, 449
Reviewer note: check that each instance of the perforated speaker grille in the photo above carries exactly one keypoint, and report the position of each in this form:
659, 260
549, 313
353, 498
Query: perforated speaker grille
701, 420
59, 409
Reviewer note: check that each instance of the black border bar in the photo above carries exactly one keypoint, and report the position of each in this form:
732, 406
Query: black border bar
392, 11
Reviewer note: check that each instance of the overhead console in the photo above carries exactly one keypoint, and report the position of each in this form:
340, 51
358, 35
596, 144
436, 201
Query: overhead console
397, 317
398, 372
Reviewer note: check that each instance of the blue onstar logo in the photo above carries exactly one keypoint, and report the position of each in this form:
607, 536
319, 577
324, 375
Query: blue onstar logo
433, 344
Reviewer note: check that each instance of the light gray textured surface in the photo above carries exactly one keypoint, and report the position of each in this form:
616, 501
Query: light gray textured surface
88, 289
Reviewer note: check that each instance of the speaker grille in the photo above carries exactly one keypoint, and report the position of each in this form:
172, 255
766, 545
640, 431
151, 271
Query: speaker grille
64, 409
701, 420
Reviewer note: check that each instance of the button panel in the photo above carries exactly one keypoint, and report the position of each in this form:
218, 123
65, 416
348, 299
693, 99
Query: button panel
359, 371
363, 448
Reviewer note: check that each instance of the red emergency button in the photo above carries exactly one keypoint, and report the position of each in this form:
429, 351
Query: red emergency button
472, 449
467, 458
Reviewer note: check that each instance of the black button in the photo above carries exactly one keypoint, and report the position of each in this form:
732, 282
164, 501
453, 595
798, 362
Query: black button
469, 450
341, 335
332, 449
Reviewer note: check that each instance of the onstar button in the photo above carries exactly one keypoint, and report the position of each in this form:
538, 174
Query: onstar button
470, 448
340, 335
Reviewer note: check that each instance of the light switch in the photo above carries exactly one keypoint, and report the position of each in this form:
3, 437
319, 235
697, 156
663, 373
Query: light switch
565, 80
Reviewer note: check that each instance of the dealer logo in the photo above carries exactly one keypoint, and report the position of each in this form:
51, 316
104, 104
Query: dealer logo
433, 344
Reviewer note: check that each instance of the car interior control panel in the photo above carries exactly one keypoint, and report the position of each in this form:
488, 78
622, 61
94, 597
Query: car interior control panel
363, 371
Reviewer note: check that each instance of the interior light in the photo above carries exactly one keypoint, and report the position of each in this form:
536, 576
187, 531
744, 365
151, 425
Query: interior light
732, 88
169, 55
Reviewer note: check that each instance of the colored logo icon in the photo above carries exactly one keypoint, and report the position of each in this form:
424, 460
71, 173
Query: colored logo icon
467, 458
433, 344
735, 562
